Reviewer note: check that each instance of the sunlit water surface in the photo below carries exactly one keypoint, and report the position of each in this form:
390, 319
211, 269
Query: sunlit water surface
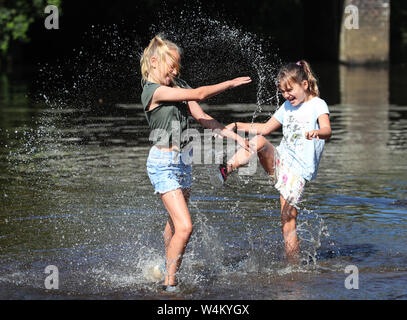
75, 194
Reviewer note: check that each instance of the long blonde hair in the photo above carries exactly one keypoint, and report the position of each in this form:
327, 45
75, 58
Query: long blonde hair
161, 48
297, 73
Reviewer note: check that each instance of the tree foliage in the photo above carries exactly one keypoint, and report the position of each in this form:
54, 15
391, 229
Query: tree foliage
16, 16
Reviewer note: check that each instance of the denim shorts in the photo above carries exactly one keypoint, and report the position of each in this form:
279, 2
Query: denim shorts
169, 170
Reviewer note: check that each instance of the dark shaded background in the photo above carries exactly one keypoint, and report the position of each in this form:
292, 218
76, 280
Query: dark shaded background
308, 29
291, 29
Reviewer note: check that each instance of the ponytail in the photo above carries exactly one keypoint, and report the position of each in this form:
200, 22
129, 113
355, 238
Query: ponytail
161, 48
298, 72
312, 80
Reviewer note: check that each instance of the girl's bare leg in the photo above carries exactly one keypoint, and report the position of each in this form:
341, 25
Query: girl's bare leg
265, 151
169, 227
177, 231
288, 225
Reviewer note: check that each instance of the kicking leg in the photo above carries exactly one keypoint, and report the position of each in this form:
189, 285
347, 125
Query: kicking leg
265, 151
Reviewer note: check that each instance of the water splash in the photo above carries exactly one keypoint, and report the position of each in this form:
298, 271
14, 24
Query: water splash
215, 51
104, 252
311, 230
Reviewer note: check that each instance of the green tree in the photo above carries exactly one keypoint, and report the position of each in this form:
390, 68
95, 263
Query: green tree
16, 16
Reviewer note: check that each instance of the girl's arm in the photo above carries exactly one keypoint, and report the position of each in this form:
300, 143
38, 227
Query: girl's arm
263, 129
208, 122
324, 131
164, 93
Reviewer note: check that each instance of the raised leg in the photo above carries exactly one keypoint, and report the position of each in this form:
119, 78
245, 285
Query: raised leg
265, 152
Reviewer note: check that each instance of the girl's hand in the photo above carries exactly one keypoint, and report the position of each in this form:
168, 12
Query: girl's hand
314, 134
239, 81
231, 126
244, 143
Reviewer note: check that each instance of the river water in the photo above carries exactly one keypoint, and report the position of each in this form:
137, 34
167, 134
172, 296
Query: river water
74, 193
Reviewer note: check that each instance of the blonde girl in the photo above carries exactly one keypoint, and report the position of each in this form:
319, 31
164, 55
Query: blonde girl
304, 117
167, 102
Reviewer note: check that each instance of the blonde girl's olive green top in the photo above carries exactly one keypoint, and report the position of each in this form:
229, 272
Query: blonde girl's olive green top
170, 118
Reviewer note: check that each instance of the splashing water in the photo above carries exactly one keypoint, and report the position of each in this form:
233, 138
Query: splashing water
311, 230
104, 217
215, 51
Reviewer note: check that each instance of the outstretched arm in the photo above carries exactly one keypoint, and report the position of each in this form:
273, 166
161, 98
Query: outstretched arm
164, 93
208, 122
263, 129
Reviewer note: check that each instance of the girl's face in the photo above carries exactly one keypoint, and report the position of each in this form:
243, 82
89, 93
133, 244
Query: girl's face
166, 70
295, 93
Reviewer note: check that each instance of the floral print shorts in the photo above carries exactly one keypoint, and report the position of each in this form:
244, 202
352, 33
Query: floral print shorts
287, 181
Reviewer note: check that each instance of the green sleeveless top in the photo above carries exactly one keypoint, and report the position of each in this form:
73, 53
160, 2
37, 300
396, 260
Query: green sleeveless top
165, 115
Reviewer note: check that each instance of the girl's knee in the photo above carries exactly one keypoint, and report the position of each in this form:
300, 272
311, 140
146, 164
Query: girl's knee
188, 229
289, 225
262, 145
288, 219
184, 231
289, 230
257, 142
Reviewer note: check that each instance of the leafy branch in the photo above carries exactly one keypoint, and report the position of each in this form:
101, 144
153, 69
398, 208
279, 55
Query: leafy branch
16, 17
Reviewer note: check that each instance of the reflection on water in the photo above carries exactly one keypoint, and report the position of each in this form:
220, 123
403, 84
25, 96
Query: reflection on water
363, 89
368, 86
75, 194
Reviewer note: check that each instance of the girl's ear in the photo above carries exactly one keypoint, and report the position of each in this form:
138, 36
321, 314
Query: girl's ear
305, 85
154, 62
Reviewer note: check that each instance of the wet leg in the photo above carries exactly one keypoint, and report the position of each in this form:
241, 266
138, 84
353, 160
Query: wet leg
169, 227
288, 225
177, 231
265, 151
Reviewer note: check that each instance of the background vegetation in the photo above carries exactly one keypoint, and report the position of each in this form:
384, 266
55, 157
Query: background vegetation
16, 17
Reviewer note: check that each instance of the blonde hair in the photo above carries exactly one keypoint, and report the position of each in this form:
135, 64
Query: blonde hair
297, 73
160, 48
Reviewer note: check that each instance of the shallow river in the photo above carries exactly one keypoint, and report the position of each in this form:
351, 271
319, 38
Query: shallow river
74, 193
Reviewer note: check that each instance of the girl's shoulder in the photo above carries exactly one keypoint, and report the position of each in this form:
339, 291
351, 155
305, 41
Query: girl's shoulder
317, 101
148, 91
319, 105
148, 84
181, 83
150, 87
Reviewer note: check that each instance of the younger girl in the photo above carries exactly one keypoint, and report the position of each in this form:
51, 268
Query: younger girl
167, 103
305, 121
